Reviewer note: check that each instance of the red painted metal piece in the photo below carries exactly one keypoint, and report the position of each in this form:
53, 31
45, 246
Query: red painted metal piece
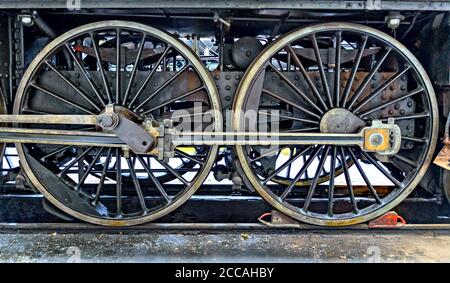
389, 220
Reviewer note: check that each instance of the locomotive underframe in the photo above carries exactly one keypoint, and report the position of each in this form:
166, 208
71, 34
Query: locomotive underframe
19, 44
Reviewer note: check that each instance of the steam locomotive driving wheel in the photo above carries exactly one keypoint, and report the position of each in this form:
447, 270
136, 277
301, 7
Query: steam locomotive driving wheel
145, 75
335, 78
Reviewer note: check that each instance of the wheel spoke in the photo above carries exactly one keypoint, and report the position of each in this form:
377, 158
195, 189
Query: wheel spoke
286, 164
380, 89
301, 172
371, 110
407, 117
367, 79
300, 130
173, 172
102, 177
268, 153
148, 78
52, 94
381, 169
85, 73
265, 91
154, 179
172, 100
337, 69
79, 91
118, 183
323, 76
414, 139
135, 67
187, 156
100, 67
72, 163
296, 89
59, 150
265, 113
363, 174
331, 182
137, 186
166, 83
306, 76
118, 66
406, 160
348, 181
354, 70
313, 185
89, 169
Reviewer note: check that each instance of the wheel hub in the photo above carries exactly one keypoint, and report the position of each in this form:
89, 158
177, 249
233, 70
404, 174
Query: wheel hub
340, 120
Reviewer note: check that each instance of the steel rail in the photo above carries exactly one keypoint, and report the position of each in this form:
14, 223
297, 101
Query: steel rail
86, 227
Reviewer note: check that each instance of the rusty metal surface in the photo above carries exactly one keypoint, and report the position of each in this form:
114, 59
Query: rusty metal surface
227, 246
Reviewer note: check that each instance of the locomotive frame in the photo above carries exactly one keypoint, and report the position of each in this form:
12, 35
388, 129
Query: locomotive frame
29, 60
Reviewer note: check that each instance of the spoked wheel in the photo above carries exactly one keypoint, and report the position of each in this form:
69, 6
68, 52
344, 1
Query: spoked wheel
336, 78
147, 75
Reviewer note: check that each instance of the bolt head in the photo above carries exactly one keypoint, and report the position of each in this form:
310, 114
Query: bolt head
107, 121
376, 139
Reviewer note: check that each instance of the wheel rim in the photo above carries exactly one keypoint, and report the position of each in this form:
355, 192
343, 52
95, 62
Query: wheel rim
142, 202
424, 110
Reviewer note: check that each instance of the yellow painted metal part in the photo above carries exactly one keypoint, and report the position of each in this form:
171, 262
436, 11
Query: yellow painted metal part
370, 146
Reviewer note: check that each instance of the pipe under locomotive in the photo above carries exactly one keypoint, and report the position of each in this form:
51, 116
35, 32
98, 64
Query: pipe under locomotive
333, 112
